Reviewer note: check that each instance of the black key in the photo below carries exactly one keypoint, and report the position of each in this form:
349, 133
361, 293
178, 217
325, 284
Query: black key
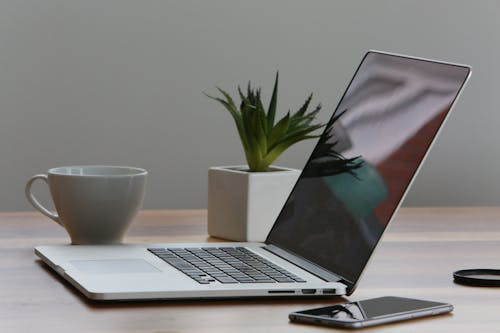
190, 258
196, 276
179, 251
248, 270
236, 273
231, 271
214, 251
219, 275
178, 262
228, 279
245, 280
193, 271
264, 281
183, 267
266, 278
210, 272
257, 276
254, 275
195, 263
216, 264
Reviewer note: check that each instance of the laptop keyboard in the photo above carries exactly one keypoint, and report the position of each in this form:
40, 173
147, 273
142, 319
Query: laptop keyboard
225, 265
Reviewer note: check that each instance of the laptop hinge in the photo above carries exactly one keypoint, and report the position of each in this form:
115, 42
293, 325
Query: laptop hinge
305, 264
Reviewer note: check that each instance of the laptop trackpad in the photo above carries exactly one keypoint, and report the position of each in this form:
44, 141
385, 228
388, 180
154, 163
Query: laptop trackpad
114, 266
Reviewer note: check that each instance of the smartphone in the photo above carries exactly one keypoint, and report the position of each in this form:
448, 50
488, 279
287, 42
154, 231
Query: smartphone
370, 312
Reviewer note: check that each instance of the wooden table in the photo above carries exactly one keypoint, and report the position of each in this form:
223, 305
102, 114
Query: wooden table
415, 259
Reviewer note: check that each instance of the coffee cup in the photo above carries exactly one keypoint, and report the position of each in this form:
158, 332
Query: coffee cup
95, 203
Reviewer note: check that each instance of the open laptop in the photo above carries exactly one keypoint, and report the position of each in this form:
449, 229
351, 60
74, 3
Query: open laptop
348, 191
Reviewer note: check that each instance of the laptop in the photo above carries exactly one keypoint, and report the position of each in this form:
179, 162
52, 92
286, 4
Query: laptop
319, 245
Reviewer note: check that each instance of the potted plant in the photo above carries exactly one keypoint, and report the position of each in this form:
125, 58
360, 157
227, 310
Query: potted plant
245, 200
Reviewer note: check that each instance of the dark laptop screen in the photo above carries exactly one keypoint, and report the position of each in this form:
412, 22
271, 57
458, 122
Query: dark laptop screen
364, 161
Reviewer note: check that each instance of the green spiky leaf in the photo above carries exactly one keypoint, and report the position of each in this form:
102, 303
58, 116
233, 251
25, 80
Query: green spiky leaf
271, 111
264, 140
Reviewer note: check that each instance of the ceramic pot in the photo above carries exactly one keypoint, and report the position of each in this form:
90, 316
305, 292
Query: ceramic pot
243, 205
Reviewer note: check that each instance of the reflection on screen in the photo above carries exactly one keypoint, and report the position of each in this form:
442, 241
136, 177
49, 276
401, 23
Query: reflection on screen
365, 160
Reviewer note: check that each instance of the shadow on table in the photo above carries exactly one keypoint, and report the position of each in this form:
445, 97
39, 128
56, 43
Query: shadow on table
312, 301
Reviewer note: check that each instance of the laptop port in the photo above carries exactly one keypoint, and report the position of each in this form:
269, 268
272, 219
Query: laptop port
309, 291
281, 291
329, 291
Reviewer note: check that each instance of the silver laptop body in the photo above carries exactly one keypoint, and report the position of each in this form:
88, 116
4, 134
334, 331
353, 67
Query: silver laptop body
127, 272
348, 192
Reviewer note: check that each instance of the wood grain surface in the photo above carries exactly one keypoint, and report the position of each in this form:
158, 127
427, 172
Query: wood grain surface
416, 257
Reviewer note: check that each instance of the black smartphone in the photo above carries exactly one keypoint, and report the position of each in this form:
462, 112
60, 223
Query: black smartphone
370, 312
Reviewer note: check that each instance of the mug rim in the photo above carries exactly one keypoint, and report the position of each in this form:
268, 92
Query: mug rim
133, 171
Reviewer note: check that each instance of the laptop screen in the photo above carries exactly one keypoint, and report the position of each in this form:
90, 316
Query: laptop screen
365, 160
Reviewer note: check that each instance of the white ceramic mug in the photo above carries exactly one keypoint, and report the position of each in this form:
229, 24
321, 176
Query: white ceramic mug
95, 204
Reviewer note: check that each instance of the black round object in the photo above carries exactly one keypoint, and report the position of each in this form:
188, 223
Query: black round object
480, 277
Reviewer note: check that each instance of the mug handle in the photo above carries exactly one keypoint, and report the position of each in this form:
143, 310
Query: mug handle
34, 202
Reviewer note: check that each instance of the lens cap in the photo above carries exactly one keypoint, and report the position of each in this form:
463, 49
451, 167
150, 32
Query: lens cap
480, 277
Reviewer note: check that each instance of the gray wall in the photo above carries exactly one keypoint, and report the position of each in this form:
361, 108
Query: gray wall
120, 82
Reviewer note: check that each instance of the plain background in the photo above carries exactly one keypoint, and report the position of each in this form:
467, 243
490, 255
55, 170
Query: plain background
121, 82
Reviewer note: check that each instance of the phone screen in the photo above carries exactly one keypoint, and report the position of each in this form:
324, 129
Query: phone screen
371, 309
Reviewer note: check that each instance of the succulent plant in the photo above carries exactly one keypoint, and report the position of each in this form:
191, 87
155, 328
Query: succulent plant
263, 139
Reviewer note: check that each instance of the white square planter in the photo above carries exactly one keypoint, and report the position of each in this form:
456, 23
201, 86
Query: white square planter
243, 206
